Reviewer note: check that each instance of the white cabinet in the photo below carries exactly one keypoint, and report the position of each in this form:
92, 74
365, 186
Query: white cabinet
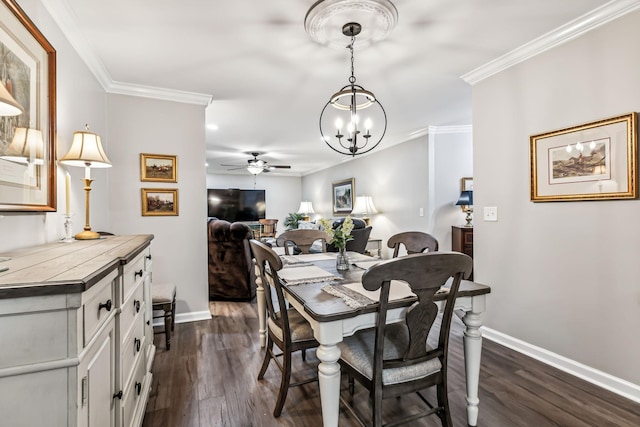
77, 341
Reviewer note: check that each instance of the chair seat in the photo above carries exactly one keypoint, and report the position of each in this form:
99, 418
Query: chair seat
298, 326
358, 351
163, 293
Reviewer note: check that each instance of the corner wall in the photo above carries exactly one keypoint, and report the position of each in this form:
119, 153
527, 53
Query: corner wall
564, 275
142, 125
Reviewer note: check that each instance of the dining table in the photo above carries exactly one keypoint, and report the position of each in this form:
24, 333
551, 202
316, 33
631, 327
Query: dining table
310, 283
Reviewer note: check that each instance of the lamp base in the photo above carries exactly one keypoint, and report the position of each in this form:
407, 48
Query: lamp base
306, 218
87, 235
367, 221
468, 219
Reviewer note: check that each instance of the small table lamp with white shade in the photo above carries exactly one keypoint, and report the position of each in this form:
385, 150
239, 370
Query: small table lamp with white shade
86, 151
364, 206
305, 209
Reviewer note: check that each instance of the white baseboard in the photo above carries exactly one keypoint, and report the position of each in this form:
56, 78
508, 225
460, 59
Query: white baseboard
193, 316
602, 379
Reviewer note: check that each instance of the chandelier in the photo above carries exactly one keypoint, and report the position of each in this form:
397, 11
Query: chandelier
353, 122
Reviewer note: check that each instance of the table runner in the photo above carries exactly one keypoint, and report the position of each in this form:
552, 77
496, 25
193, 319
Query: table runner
306, 274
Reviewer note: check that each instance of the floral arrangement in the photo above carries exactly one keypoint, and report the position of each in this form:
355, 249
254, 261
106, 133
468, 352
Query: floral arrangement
341, 235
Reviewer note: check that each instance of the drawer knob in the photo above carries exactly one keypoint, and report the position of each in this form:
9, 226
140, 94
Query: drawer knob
136, 343
137, 273
105, 305
118, 395
148, 256
138, 388
136, 304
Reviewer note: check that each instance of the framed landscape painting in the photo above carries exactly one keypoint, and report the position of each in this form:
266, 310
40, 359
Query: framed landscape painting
594, 161
343, 196
158, 167
159, 202
28, 115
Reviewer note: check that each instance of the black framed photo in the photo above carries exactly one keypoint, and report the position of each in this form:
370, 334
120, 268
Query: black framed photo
343, 196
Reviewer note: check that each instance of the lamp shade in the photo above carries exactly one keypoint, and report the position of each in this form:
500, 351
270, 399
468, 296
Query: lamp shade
8, 105
26, 147
306, 207
86, 151
364, 205
465, 199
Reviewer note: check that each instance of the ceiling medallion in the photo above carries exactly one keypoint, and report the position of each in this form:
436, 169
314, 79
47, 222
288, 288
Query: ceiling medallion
325, 19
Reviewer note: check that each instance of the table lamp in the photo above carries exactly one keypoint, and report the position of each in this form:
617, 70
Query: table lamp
466, 202
26, 147
305, 209
86, 150
364, 206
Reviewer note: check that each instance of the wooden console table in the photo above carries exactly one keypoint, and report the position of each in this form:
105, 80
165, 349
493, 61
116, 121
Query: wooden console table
462, 241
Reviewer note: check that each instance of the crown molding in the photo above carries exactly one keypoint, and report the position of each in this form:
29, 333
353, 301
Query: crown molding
66, 21
569, 31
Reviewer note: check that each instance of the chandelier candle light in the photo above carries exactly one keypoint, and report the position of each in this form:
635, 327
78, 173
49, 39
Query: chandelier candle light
86, 150
348, 126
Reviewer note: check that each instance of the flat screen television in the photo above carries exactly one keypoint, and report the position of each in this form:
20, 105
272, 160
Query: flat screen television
232, 204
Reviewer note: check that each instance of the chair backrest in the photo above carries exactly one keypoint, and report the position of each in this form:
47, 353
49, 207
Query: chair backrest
303, 239
268, 227
358, 242
268, 263
413, 241
425, 274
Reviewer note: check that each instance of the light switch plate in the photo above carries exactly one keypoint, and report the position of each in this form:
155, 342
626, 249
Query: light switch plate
490, 213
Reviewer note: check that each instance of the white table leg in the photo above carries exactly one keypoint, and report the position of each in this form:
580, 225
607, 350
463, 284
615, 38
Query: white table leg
472, 352
262, 310
329, 379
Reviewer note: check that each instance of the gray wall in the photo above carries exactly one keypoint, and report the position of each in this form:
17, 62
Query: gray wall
141, 125
564, 276
399, 180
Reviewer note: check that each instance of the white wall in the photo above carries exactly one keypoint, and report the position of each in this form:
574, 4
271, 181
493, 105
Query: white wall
399, 180
80, 100
282, 193
564, 276
179, 249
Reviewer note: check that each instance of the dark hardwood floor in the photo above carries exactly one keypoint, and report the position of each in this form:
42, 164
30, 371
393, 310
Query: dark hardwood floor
209, 378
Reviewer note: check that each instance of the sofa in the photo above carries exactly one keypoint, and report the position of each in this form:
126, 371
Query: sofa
359, 236
231, 272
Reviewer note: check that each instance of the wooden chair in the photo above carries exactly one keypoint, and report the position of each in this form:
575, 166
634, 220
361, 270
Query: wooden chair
303, 239
413, 241
287, 328
394, 360
268, 227
163, 298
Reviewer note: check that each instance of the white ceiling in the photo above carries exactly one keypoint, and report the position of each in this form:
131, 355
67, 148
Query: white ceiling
268, 81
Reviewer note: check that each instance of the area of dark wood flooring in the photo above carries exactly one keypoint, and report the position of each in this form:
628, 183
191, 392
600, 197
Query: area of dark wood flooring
209, 378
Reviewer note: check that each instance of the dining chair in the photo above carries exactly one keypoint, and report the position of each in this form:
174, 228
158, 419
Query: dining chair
268, 227
413, 241
302, 239
395, 360
288, 330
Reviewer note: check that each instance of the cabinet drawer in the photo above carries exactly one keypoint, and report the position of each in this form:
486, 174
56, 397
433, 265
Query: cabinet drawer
147, 258
133, 274
132, 346
135, 389
131, 309
468, 238
98, 303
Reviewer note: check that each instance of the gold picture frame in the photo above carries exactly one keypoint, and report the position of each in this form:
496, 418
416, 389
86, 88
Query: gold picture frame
158, 167
27, 171
593, 161
159, 202
343, 196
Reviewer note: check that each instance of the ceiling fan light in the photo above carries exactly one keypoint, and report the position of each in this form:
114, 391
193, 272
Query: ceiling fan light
255, 170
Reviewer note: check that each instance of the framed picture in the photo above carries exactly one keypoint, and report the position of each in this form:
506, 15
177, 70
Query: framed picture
159, 201
158, 168
343, 196
27, 135
466, 184
594, 161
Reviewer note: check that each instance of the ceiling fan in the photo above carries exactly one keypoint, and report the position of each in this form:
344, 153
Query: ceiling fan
256, 166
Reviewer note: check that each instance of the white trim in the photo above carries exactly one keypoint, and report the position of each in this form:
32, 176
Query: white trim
159, 93
192, 316
602, 379
569, 31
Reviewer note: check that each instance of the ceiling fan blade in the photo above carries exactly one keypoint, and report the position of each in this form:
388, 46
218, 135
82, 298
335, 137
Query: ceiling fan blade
233, 166
279, 167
